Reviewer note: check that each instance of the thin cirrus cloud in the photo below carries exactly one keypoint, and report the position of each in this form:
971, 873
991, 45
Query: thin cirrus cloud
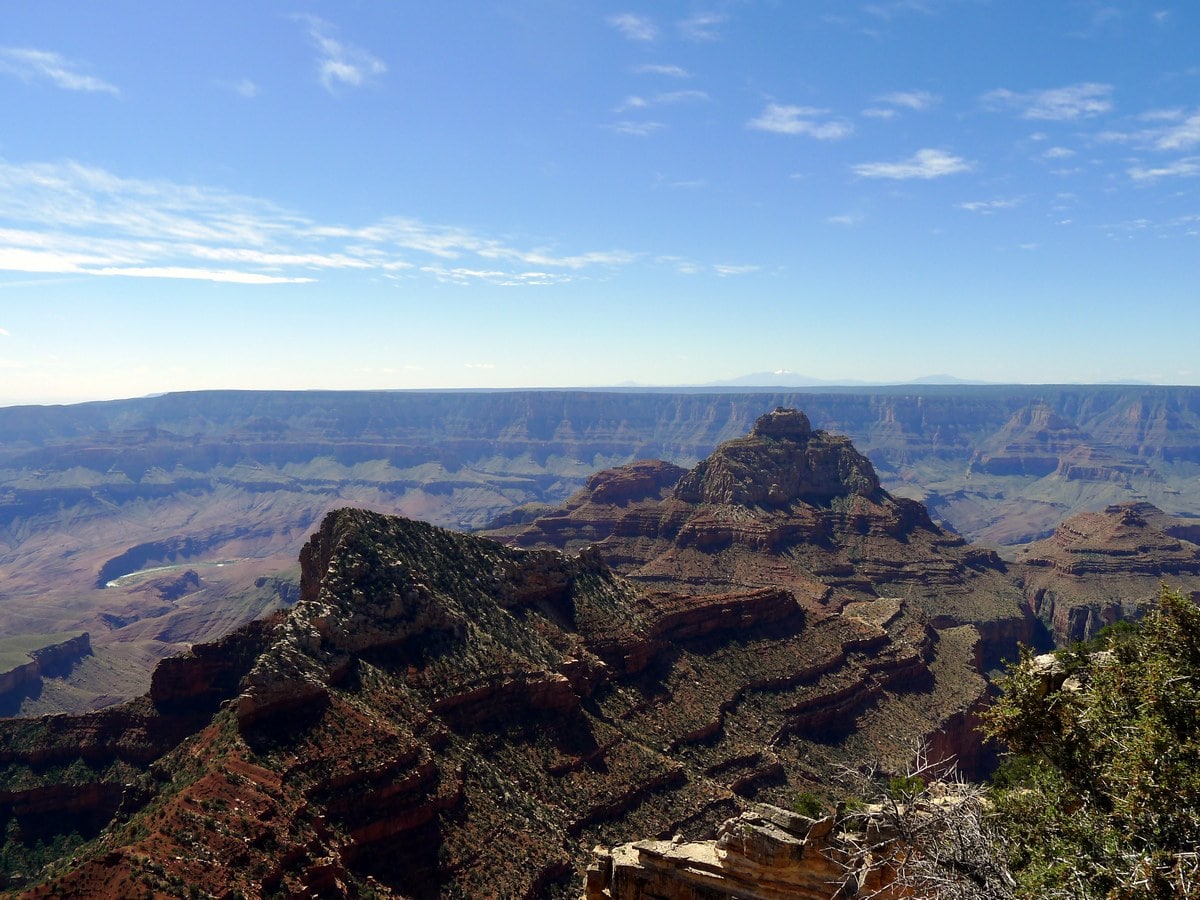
32, 65
662, 69
69, 219
1171, 129
847, 220
888, 106
463, 275
667, 98
726, 271
1065, 104
1180, 136
339, 63
924, 164
987, 207
634, 27
701, 26
243, 87
1183, 168
800, 120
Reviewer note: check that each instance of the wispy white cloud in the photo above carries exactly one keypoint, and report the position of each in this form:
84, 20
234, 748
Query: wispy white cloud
680, 264
918, 101
659, 69
43, 65
725, 271
667, 98
1058, 153
888, 106
229, 276
1169, 130
1181, 136
1181, 168
462, 275
634, 27
987, 207
848, 220
4, 332
68, 219
1076, 101
924, 164
701, 26
339, 63
243, 87
803, 120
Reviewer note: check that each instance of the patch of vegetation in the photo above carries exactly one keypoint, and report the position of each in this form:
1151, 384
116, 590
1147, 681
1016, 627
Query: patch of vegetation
20, 859
902, 786
1103, 796
809, 804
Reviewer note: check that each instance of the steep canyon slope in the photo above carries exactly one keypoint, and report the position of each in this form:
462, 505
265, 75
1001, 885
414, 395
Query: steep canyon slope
784, 506
441, 714
106, 507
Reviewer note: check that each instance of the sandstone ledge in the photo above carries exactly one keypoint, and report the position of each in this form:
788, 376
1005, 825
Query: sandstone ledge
766, 853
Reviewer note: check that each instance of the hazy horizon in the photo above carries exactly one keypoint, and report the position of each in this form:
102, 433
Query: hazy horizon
489, 195
732, 386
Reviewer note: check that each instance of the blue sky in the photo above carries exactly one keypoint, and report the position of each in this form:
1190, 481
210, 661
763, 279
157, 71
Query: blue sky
539, 193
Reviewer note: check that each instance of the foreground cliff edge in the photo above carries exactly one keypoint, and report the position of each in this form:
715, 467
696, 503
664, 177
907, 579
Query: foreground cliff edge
440, 714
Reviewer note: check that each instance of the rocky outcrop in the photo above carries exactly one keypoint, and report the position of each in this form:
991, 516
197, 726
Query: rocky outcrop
197, 682
766, 853
443, 715
610, 499
19, 678
780, 462
1125, 538
67, 773
785, 506
1098, 568
763, 853
250, 474
1031, 442
1094, 463
52, 658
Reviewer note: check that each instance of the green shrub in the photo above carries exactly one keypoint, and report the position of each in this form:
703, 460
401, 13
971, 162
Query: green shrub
809, 804
1103, 799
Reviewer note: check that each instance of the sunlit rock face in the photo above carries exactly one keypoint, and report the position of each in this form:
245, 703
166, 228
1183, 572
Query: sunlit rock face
784, 506
1101, 567
440, 714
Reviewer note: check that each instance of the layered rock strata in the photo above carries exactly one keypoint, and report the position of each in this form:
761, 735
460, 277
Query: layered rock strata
66, 773
793, 507
766, 853
440, 715
247, 475
53, 657
1101, 567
